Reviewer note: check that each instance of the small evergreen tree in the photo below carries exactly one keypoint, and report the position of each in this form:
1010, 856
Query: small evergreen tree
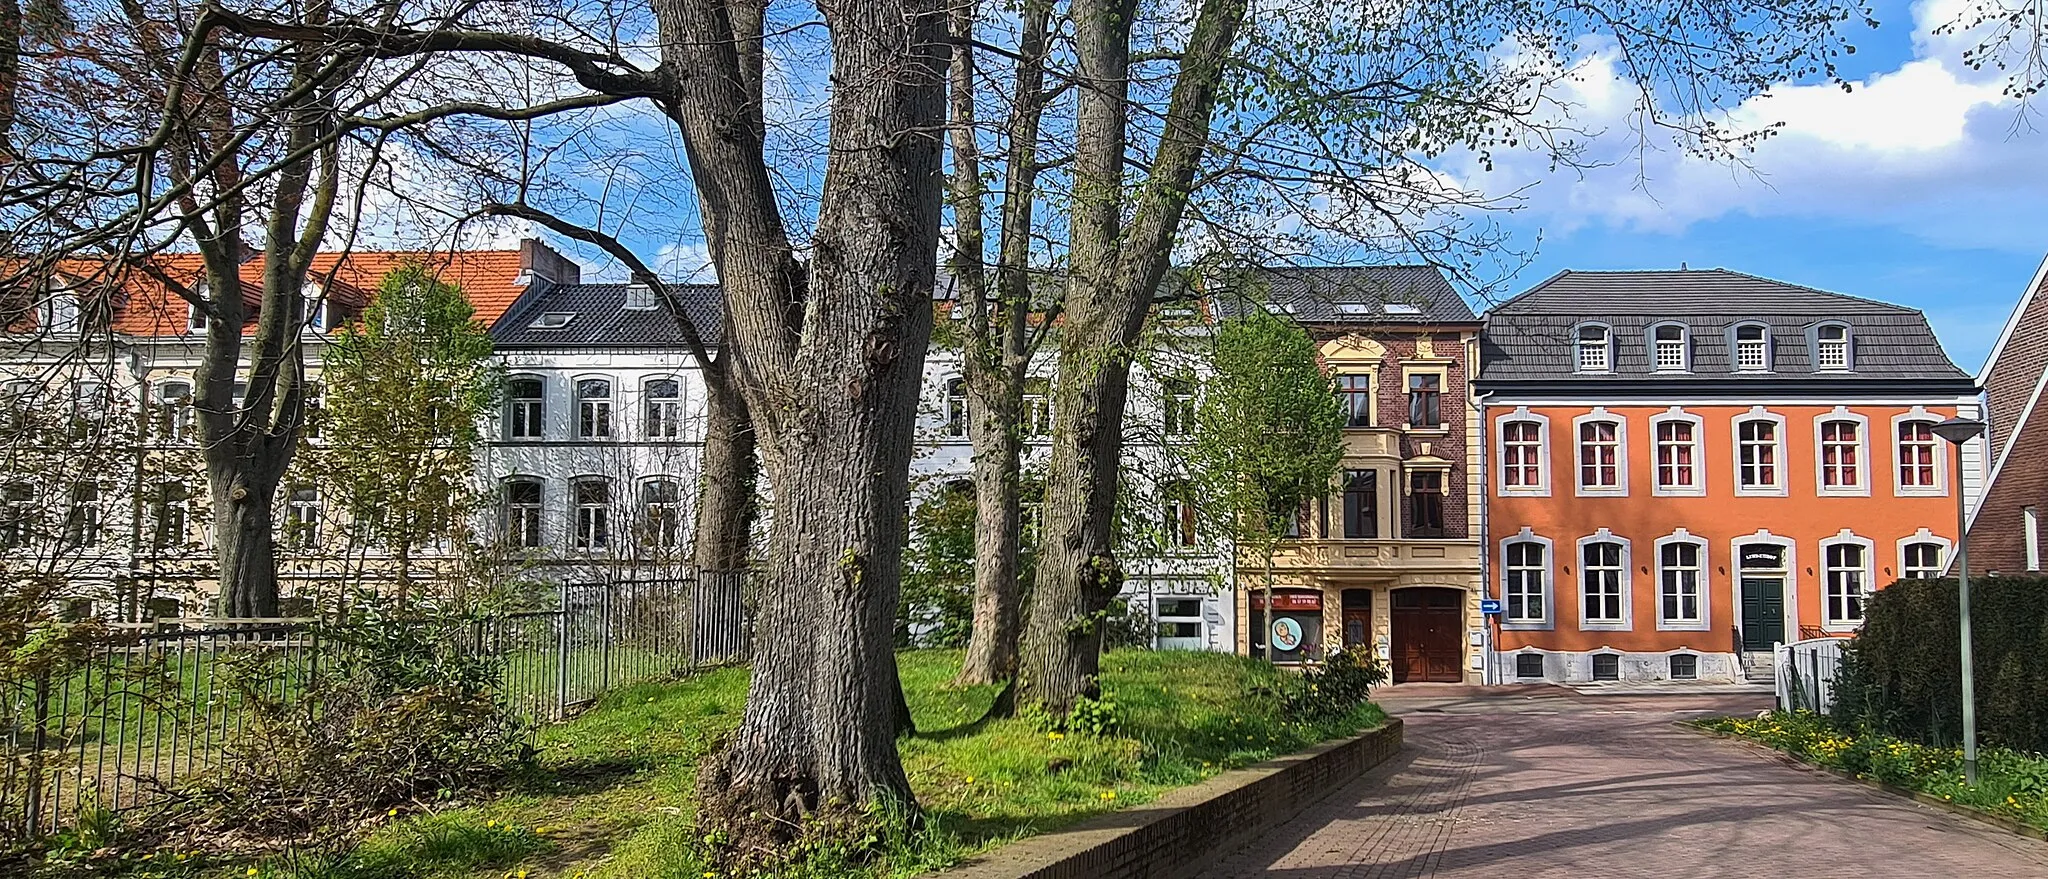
406, 388
1268, 435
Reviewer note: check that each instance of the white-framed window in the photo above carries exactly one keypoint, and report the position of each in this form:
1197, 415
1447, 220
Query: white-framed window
1682, 577
2030, 536
593, 408
525, 408
1177, 517
1916, 452
1526, 597
302, 517
1846, 580
316, 309
18, 519
168, 508
1676, 437
1841, 440
1922, 556
523, 513
1759, 453
1595, 347
1603, 581
1177, 404
195, 319
1602, 453
663, 399
1523, 449
593, 510
1752, 347
661, 514
1356, 390
174, 410
956, 408
82, 521
1831, 348
90, 401
1670, 348
1037, 408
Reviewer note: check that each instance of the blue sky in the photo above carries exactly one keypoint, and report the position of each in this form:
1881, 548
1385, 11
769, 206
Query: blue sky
1922, 186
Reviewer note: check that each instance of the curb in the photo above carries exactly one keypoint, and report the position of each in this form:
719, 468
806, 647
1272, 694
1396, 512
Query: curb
2001, 822
1178, 833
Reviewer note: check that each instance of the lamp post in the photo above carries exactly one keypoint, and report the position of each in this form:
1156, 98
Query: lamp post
1957, 431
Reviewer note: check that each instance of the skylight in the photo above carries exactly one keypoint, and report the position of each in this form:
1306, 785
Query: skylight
1402, 308
1353, 308
553, 320
1279, 308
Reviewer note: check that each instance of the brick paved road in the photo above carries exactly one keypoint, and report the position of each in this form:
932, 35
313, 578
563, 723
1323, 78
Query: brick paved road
1527, 786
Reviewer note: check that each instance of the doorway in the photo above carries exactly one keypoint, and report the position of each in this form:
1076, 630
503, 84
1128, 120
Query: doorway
1357, 617
1429, 635
1763, 572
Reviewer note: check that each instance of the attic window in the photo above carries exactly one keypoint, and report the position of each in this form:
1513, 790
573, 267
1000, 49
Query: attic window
639, 297
1402, 308
1279, 308
1353, 308
553, 320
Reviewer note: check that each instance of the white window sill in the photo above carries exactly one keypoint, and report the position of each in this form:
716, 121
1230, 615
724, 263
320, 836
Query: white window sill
1583, 491
1844, 492
1683, 626
1527, 626
1524, 492
1678, 492
1841, 628
1917, 491
1617, 626
1761, 492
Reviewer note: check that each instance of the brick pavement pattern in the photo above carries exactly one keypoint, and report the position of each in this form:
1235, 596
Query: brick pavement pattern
1577, 786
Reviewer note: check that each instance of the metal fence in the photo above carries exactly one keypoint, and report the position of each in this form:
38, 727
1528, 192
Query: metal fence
135, 712
1807, 671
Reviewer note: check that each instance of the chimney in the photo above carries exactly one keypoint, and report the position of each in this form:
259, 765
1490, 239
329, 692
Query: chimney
539, 261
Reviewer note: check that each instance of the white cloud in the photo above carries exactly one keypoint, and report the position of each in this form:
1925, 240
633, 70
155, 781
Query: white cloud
1930, 148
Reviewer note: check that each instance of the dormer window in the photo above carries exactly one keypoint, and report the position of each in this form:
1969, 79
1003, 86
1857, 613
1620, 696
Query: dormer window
639, 297
553, 320
1670, 348
1752, 348
1594, 345
1831, 348
316, 312
195, 319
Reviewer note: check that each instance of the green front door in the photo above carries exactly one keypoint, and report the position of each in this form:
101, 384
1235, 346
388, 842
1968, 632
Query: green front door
1763, 612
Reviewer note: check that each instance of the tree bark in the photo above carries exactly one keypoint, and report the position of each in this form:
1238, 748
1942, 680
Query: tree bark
722, 538
1116, 267
997, 356
247, 553
830, 362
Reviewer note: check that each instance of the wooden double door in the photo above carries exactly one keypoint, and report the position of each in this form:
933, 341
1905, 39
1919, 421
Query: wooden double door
1429, 635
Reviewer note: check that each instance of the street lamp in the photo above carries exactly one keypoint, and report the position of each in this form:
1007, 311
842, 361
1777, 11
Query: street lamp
1957, 431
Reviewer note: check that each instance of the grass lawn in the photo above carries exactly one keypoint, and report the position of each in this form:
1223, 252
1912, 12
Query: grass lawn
611, 798
2009, 783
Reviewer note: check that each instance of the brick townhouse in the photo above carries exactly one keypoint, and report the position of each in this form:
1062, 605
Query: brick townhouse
1687, 467
2005, 525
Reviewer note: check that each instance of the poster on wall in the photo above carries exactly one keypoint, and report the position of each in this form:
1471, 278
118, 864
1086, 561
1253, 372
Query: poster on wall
1296, 628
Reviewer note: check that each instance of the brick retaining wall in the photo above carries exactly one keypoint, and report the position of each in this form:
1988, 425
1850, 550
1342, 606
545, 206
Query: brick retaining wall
1172, 835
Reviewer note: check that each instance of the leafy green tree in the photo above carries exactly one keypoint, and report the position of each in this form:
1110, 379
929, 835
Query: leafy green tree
1268, 435
406, 388
938, 571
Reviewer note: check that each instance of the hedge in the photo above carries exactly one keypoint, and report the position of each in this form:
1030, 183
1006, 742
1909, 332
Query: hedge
1902, 673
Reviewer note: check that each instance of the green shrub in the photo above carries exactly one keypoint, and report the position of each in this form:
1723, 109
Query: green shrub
1338, 687
1901, 674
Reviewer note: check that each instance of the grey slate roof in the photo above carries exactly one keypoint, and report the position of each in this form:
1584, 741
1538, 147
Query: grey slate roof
1419, 294
602, 320
1531, 338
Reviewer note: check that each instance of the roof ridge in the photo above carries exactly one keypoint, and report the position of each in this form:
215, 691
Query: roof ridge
1563, 273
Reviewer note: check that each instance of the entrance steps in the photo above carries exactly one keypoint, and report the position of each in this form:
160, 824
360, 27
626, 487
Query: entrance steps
1759, 666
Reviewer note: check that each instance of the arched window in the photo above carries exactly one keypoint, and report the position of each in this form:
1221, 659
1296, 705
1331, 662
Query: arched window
1595, 343
1752, 347
1921, 560
1842, 453
1831, 348
1603, 582
593, 496
594, 408
1676, 437
1603, 454
1671, 349
661, 513
523, 513
526, 408
956, 408
664, 398
1759, 453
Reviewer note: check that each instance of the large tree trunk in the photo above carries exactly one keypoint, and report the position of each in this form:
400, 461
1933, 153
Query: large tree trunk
247, 551
830, 364
1116, 267
997, 357
725, 488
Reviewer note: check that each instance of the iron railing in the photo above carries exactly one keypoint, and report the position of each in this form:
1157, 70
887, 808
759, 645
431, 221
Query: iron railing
144, 707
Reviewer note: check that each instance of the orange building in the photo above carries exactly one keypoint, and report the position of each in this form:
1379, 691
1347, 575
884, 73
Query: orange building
1686, 468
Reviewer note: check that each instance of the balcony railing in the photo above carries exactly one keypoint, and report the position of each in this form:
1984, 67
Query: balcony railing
1366, 554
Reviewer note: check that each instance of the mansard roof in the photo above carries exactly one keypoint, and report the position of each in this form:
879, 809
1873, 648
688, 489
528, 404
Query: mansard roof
1352, 295
1531, 339
598, 318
